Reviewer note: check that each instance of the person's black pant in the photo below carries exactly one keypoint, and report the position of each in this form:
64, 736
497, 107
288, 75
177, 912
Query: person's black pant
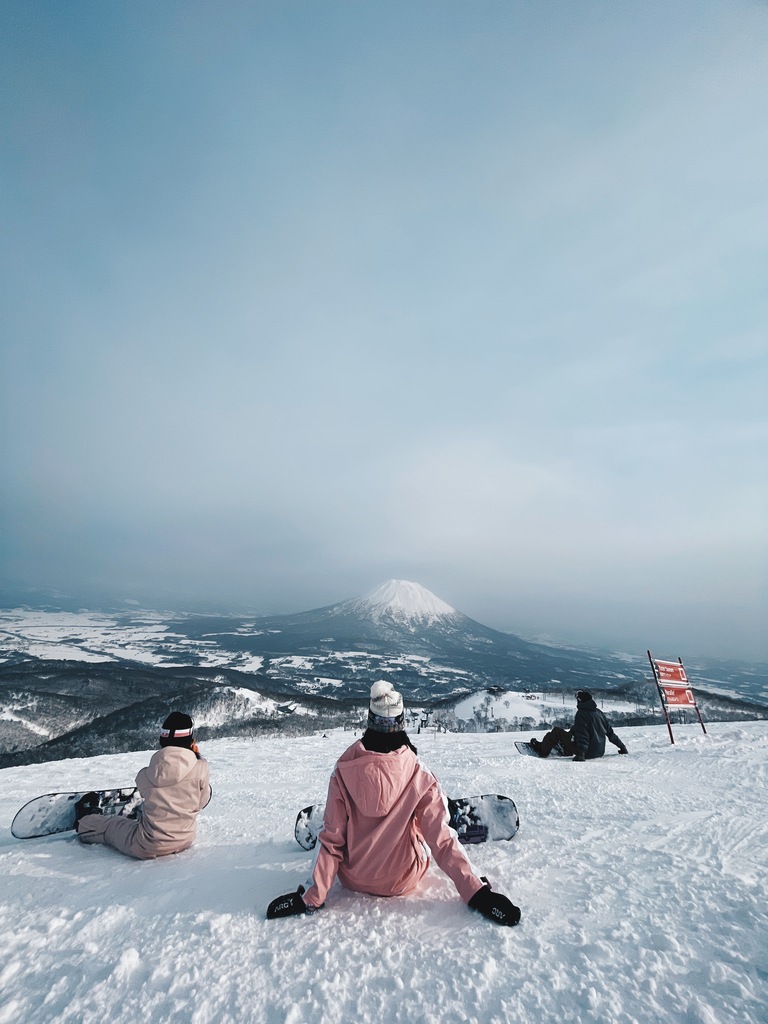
557, 737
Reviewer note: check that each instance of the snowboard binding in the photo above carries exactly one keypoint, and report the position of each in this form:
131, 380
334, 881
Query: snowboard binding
88, 804
465, 821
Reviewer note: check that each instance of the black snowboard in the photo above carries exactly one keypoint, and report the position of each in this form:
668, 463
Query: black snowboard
58, 812
526, 748
477, 819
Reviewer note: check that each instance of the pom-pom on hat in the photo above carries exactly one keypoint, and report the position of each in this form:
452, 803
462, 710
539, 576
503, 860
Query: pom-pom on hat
385, 711
177, 730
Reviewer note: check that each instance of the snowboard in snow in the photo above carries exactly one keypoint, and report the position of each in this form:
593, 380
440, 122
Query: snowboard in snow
58, 812
476, 819
526, 748
309, 822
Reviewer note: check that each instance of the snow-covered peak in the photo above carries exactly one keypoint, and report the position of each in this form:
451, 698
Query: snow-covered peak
403, 601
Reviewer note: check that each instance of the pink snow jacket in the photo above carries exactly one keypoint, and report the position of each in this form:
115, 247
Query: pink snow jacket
175, 786
381, 809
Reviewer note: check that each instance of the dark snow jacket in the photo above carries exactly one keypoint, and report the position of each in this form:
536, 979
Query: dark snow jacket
590, 730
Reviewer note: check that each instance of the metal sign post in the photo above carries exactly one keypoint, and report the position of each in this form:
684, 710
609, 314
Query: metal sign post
674, 689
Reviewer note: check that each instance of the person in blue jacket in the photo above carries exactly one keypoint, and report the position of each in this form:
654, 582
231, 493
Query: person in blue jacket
586, 737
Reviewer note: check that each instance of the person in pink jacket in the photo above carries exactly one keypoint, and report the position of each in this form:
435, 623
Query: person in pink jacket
175, 787
384, 816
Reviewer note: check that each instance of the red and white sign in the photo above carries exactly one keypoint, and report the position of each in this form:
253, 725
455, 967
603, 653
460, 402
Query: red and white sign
670, 672
677, 696
674, 689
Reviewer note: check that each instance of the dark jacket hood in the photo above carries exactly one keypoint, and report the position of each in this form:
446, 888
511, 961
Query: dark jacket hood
586, 705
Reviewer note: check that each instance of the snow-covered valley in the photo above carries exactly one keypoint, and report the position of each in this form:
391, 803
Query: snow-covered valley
82, 683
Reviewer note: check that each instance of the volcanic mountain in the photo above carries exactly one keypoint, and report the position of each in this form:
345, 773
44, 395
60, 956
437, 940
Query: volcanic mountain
403, 621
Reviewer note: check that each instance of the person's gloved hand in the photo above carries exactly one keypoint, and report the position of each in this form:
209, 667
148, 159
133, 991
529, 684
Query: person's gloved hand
290, 904
495, 906
580, 756
623, 749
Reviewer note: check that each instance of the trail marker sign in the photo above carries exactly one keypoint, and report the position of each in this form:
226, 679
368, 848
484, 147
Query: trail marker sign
674, 689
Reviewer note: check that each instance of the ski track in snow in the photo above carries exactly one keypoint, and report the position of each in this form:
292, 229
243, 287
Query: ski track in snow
642, 882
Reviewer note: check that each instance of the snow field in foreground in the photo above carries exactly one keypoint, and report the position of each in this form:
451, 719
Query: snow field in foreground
642, 881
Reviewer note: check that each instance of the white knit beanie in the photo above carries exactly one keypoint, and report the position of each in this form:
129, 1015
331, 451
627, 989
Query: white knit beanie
385, 711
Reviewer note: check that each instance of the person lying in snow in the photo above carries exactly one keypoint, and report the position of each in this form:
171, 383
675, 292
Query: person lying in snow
175, 786
586, 737
382, 812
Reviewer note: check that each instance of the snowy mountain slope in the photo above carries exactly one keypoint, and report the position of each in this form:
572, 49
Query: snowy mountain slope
643, 882
494, 705
119, 709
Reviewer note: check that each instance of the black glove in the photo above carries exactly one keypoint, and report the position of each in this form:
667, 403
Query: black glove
288, 905
495, 906
623, 749
580, 756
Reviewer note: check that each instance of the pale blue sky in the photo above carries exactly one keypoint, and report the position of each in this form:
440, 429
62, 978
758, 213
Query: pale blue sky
298, 297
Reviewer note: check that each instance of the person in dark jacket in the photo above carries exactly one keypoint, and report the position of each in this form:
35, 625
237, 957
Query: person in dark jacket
586, 737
